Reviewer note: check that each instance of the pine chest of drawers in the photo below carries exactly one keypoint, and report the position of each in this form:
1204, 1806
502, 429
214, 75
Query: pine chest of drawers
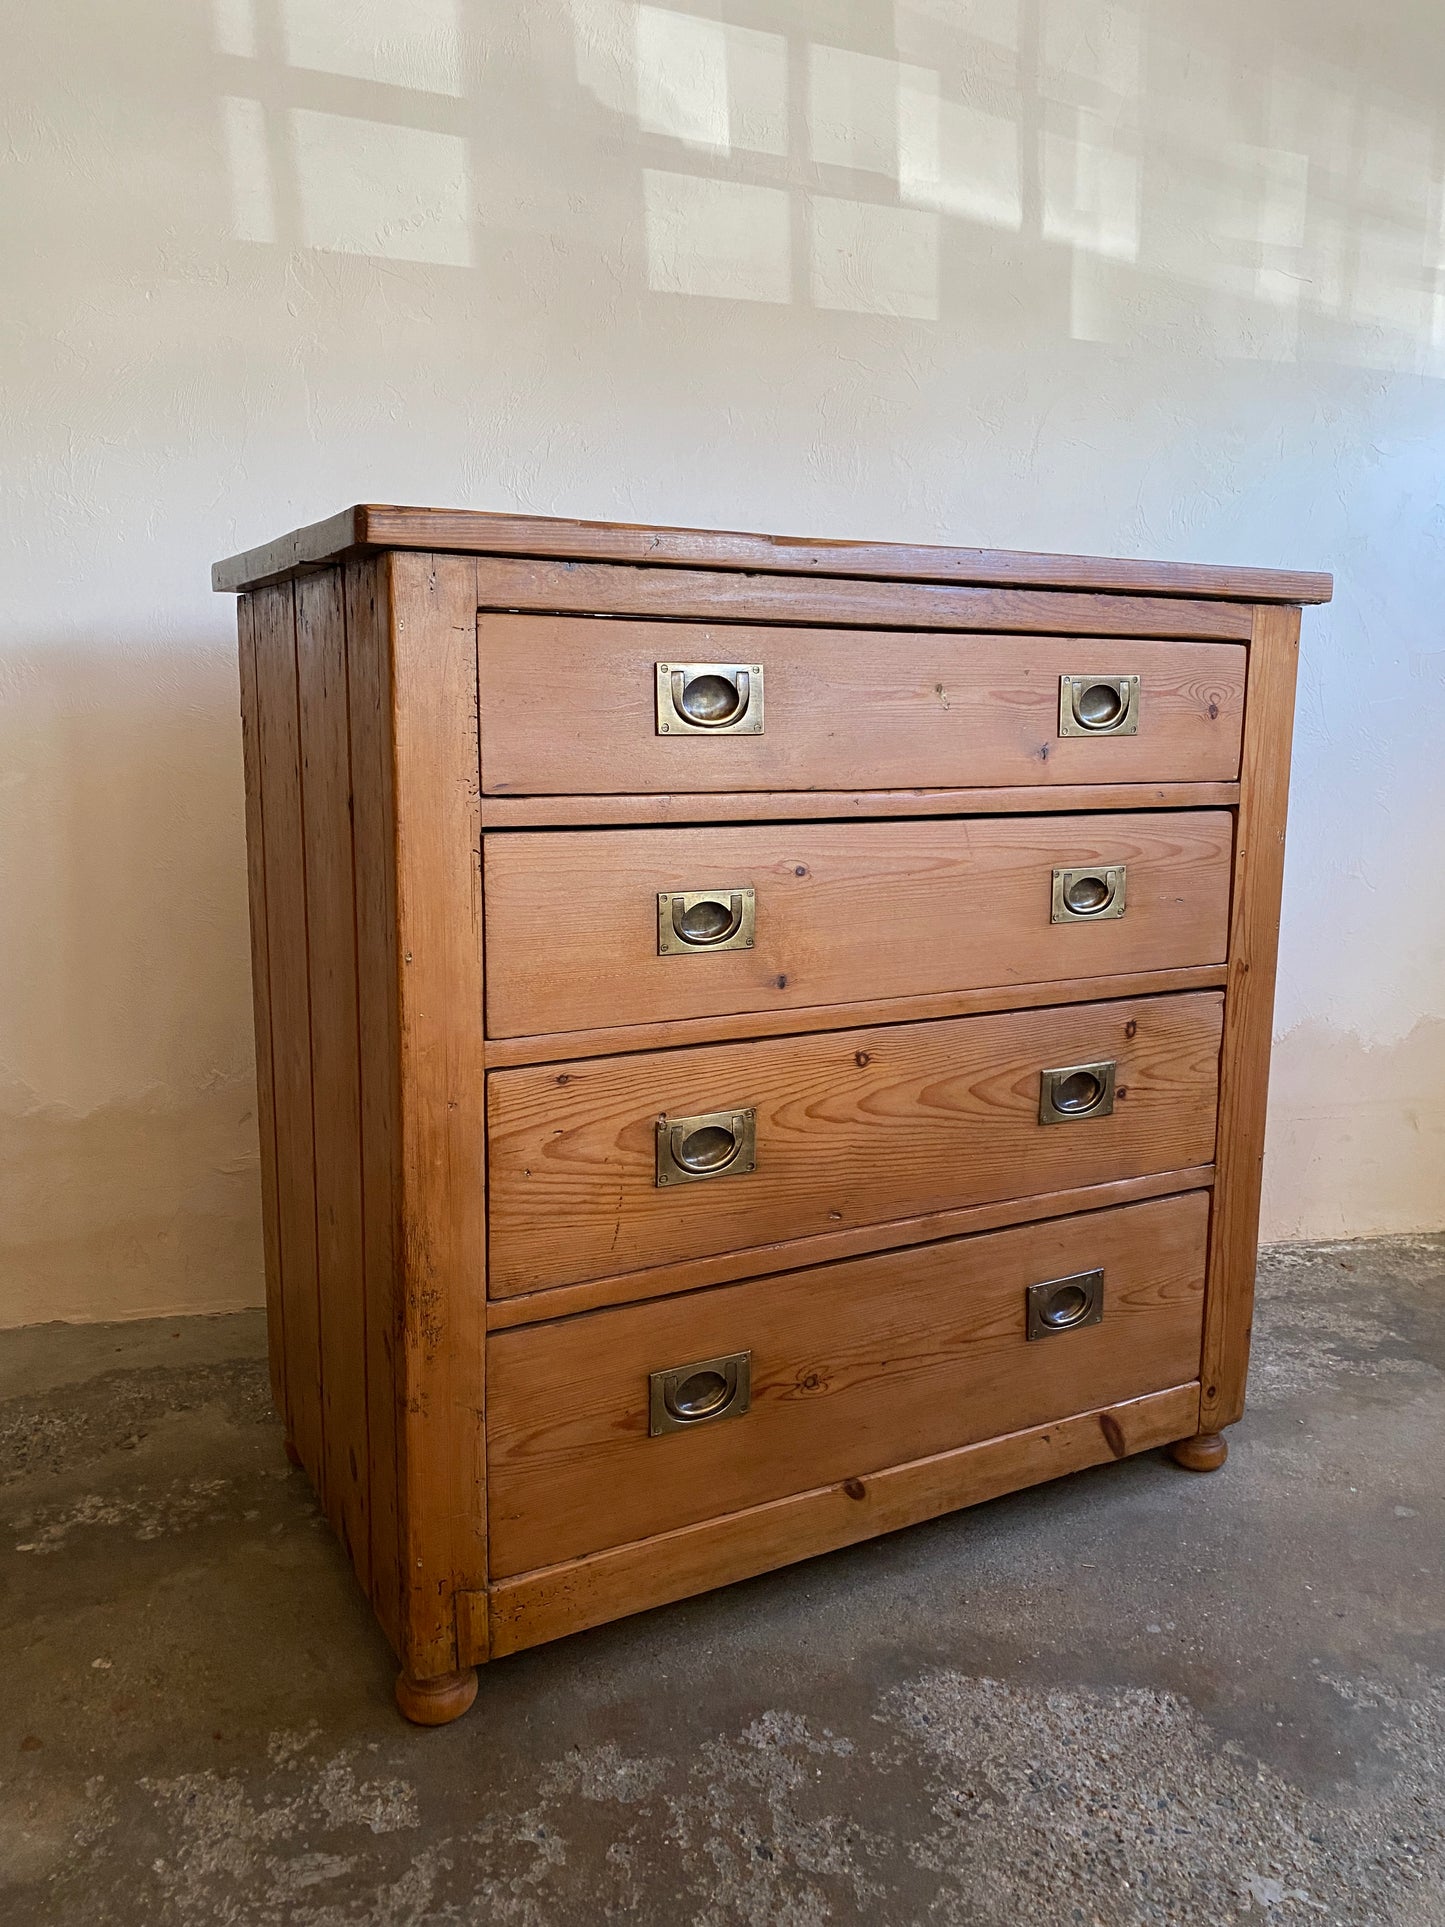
759, 1042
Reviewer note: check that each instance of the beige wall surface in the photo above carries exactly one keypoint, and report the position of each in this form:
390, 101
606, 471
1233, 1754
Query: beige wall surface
1140, 277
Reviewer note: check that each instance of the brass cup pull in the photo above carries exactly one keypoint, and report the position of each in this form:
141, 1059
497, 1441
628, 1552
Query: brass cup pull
685, 1396
1098, 705
1070, 1092
1094, 894
691, 921
1065, 1304
713, 1144
709, 698
711, 701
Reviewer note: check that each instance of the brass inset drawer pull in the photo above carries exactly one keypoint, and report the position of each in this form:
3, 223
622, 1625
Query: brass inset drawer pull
1094, 894
687, 1395
1065, 1304
714, 1144
1073, 1091
709, 698
689, 921
1098, 705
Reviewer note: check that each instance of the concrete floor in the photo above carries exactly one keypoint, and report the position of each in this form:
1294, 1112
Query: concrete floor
1136, 1696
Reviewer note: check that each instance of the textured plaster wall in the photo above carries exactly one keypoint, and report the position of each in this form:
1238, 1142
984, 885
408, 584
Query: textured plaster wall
1148, 278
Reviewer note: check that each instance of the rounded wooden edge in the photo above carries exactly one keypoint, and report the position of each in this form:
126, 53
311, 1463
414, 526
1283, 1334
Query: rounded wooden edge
434, 1702
1205, 1452
288, 1446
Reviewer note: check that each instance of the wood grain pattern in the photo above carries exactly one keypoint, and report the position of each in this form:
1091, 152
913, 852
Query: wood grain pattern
485, 533
795, 1254
261, 1008
1249, 1012
325, 751
273, 615
365, 780
560, 588
855, 1367
845, 912
875, 711
442, 1148
853, 1127
317, 546
369, 700
567, 1598
762, 806
557, 1047
473, 1627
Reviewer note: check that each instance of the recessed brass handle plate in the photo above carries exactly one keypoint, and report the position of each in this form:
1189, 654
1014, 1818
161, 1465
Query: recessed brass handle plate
1065, 1304
1093, 894
714, 1144
690, 922
709, 699
1070, 1092
1098, 705
686, 1396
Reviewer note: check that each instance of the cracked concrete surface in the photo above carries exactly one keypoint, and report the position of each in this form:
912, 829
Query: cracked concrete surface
1136, 1696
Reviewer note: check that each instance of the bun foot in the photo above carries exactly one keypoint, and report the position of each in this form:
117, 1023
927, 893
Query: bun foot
434, 1702
1205, 1452
288, 1446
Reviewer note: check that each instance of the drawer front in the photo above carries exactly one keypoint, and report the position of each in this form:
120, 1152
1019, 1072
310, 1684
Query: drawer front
571, 706
849, 1127
576, 936
852, 1367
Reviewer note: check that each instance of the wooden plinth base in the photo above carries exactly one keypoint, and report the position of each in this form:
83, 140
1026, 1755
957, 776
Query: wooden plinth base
289, 1448
433, 1702
1205, 1452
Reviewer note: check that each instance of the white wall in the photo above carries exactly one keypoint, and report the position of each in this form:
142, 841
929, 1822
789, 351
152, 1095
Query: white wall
1147, 278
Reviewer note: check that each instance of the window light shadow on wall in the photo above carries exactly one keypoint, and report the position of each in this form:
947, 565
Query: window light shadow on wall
711, 85
343, 183
1186, 199
721, 238
1117, 166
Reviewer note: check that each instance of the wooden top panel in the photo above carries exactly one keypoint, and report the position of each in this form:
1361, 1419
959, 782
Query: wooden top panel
474, 532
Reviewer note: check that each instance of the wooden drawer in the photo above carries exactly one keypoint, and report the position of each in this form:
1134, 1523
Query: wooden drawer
854, 1366
844, 911
569, 706
852, 1127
